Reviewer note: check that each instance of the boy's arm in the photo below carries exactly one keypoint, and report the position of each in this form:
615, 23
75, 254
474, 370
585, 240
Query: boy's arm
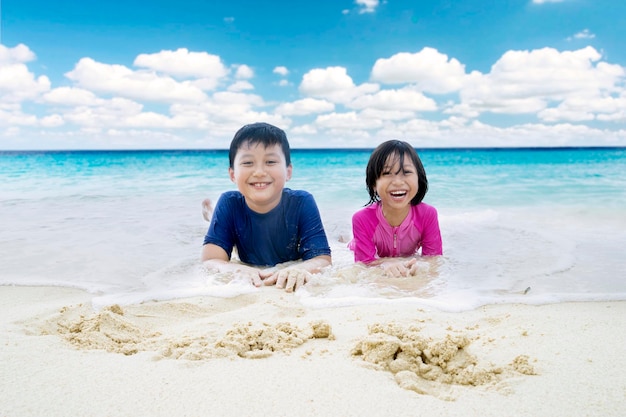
214, 257
315, 265
211, 252
313, 240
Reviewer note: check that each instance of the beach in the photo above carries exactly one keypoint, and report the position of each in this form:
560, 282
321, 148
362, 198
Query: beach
106, 309
266, 353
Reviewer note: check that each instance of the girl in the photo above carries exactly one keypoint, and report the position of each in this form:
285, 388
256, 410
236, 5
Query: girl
395, 223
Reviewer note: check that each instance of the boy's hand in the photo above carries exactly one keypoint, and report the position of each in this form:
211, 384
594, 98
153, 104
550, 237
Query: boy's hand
256, 279
288, 278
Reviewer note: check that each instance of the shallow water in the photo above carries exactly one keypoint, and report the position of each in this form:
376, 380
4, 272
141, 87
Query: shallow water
127, 226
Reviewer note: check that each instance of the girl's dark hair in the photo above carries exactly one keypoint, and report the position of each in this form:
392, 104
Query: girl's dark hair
254, 133
380, 158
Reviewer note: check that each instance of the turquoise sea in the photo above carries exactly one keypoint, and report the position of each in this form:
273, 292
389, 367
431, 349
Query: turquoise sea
127, 225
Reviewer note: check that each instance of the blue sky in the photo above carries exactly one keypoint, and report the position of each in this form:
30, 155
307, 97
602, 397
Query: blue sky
338, 73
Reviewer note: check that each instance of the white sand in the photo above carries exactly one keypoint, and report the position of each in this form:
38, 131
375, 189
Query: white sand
267, 355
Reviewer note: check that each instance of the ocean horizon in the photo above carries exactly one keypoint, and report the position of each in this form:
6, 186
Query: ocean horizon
330, 149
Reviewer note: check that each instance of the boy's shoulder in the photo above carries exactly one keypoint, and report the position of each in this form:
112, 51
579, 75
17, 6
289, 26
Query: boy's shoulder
297, 200
231, 195
231, 201
296, 193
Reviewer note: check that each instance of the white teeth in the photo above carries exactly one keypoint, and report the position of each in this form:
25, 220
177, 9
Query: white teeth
398, 193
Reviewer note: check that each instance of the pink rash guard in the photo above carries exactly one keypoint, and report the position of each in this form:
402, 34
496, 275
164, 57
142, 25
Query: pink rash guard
374, 238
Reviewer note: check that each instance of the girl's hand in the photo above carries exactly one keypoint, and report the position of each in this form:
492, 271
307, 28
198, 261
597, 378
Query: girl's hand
394, 268
412, 266
400, 267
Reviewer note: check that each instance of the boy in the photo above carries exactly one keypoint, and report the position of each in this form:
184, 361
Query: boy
267, 223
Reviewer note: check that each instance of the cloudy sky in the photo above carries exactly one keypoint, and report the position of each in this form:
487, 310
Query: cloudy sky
333, 73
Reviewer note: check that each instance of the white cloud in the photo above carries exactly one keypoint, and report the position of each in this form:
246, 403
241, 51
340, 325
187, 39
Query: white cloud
306, 129
584, 34
531, 81
304, 107
554, 92
240, 86
224, 113
236, 98
367, 6
51, 121
16, 118
280, 70
244, 72
429, 70
333, 84
71, 96
350, 121
184, 64
403, 100
563, 113
10, 106
416, 131
322, 81
387, 115
113, 112
17, 55
140, 85
17, 83
578, 109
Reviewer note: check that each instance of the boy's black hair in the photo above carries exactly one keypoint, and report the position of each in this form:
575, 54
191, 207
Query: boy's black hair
379, 159
254, 133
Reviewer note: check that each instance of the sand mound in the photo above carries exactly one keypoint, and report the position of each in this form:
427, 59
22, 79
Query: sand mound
113, 330
106, 330
426, 365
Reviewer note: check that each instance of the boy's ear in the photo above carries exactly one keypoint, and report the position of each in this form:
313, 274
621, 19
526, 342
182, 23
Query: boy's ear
289, 171
231, 174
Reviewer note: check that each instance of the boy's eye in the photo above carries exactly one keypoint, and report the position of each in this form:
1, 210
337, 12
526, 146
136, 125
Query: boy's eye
246, 163
271, 162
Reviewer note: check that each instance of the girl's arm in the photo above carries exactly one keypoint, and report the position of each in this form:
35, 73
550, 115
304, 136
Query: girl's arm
431, 234
363, 226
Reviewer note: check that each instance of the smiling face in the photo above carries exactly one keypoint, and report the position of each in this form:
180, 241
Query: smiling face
388, 157
260, 173
397, 185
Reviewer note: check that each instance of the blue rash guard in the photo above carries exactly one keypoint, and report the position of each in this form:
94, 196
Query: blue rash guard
291, 231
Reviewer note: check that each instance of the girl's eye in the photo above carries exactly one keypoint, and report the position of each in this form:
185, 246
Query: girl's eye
385, 173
